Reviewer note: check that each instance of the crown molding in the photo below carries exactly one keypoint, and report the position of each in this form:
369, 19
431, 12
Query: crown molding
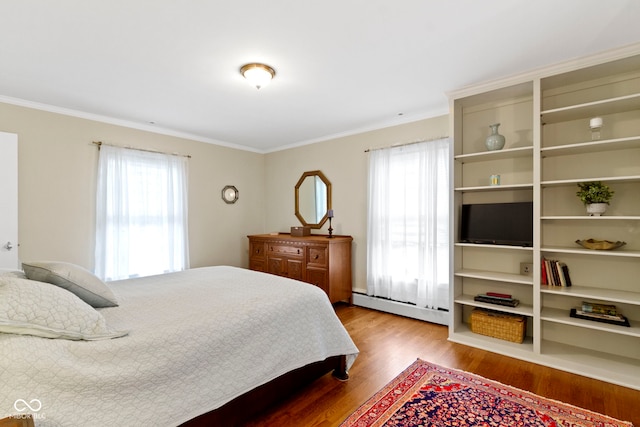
120, 122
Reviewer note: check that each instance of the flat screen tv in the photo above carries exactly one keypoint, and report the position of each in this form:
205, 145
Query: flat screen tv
497, 223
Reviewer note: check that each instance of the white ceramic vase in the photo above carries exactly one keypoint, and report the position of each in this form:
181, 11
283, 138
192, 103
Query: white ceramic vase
596, 209
495, 141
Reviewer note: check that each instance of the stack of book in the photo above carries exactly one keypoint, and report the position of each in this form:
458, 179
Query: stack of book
554, 273
497, 298
604, 313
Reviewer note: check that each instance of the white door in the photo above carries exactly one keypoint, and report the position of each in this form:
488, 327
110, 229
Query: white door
8, 200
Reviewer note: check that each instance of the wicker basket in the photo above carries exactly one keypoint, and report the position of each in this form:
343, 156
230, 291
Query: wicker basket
505, 326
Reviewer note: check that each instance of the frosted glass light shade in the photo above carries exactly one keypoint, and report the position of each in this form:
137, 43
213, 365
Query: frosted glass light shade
258, 75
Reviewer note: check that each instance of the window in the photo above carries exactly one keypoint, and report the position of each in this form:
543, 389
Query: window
408, 224
141, 214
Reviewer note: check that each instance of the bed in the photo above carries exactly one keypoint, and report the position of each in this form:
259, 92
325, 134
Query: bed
197, 347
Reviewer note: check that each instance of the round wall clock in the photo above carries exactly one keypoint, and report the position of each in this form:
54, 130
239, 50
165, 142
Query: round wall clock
230, 194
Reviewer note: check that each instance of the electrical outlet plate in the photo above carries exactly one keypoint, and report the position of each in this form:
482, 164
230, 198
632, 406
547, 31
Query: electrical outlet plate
526, 269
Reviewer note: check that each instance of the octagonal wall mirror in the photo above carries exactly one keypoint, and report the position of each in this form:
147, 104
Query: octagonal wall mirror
313, 199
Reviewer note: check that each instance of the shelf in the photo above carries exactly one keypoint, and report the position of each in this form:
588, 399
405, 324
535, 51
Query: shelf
559, 151
521, 309
592, 146
463, 335
519, 92
629, 178
490, 246
495, 188
592, 109
582, 251
592, 218
495, 276
604, 294
562, 316
608, 367
484, 156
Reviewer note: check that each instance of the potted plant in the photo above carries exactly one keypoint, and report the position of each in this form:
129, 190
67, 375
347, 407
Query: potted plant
595, 196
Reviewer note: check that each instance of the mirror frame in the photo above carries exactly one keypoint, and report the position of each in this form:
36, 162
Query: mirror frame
324, 179
230, 194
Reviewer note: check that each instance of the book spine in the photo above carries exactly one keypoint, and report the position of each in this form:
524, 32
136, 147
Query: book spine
561, 278
498, 295
565, 271
549, 273
497, 301
554, 273
600, 316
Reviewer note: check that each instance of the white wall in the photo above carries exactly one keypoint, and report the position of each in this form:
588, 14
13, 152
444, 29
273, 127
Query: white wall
344, 162
57, 164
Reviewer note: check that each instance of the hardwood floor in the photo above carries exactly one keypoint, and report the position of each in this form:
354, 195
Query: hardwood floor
388, 344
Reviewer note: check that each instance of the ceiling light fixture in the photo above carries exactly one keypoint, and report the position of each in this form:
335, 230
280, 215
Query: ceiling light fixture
258, 75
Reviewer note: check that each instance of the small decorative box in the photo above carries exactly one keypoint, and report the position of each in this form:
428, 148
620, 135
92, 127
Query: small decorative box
300, 231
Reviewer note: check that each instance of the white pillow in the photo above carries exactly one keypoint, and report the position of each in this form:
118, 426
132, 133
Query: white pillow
9, 272
28, 307
73, 278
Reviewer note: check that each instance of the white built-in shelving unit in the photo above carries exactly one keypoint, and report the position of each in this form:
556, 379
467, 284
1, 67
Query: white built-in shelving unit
545, 116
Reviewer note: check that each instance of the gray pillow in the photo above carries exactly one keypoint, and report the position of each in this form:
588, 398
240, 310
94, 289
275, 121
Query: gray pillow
35, 308
73, 278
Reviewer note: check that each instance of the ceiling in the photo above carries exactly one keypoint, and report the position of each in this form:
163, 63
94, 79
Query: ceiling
343, 66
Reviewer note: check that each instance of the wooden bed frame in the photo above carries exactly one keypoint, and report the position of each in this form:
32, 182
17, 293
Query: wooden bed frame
244, 407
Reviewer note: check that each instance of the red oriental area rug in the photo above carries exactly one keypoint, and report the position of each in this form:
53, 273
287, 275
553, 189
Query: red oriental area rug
430, 395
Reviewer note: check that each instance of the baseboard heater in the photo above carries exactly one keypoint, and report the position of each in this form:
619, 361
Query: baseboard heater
441, 317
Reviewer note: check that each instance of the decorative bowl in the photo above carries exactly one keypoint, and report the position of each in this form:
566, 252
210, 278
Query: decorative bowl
600, 245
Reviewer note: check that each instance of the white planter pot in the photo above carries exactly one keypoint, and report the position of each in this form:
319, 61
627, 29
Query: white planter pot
596, 209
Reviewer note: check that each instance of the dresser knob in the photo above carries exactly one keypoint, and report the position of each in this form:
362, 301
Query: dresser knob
317, 256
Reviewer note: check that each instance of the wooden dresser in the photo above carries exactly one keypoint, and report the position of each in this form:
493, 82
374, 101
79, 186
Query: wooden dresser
316, 259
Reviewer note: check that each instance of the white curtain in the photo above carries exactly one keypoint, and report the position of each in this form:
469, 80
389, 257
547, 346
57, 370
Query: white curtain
408, 224
141, 217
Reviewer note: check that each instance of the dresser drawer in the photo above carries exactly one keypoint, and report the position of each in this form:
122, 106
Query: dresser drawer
284, 249
319, 278
317, 256
322, 261
256, 250
257, 265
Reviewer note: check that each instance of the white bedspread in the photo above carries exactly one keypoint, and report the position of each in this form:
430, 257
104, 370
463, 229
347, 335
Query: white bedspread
198, 339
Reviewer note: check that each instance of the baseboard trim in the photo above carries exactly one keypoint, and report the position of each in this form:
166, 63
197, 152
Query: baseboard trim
401, 309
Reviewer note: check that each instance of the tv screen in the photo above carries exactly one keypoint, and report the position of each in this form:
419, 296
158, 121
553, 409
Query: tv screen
497, 223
